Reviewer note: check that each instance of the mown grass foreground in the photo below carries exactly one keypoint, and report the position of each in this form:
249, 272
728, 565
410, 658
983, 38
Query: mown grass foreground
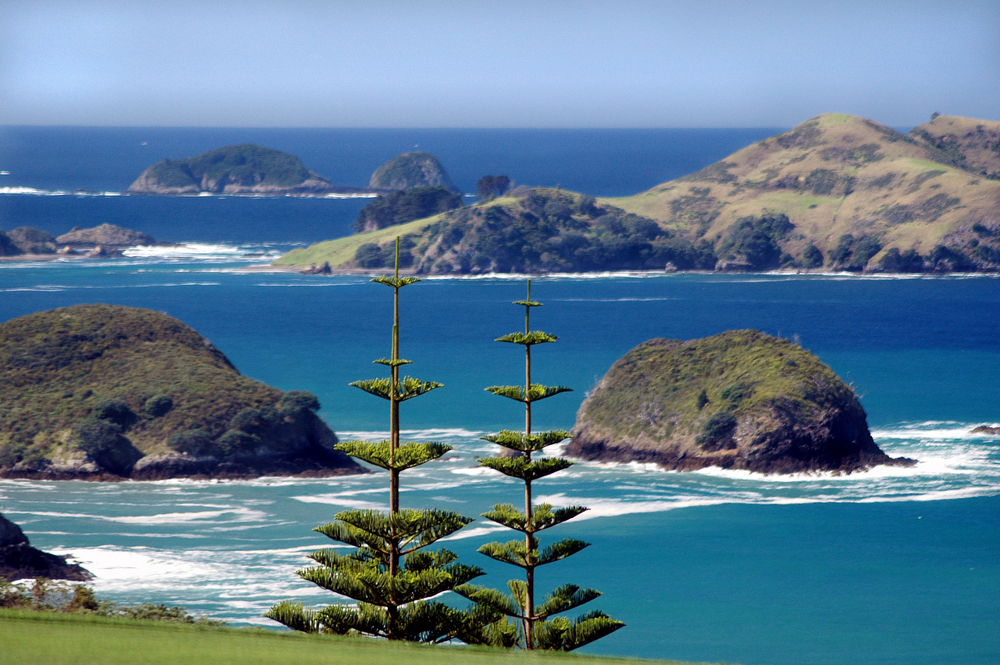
49, 637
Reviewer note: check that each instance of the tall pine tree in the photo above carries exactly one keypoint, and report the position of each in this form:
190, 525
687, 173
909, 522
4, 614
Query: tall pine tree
391, 574
529, 624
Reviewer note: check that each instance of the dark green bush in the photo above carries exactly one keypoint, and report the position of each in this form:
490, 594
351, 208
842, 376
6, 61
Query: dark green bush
717, 431
237, 442
158, 405
908, 261
117, 412
812, 257
102, 440
298, 400
406, 206
197, 441
756, 241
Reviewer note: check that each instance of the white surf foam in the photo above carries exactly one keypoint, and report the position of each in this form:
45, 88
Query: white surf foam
338, 500
32, 191
235, 514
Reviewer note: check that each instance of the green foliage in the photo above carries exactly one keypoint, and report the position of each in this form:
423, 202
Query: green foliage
405, 206
527, 339
756, 241
717, 431
410, 170
554, 231
372, 255
526, 442
63, 366
519, 621
812, 257
542, 516
197, 441
524, 468
405, 455
854, 253
245, 165
535, 392
908, 261
117, 412
490, 186
390, 574
667, 376
400, 390
56, 596
702, 399
158, 405
298, 400
103, 442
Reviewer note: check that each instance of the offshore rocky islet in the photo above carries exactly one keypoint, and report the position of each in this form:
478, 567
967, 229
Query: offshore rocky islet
737, 400
103, 392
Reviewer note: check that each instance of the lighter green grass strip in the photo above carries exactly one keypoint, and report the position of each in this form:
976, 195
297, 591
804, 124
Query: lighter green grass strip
61, 639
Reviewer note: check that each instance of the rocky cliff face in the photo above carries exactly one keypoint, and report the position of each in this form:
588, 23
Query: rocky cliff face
411, 170
102, 392
738, 400
19, 560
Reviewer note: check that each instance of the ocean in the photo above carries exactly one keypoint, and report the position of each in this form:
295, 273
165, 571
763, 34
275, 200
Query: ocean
889, 566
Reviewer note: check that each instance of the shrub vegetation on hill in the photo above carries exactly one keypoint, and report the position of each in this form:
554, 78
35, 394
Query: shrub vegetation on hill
94, 388
405, 206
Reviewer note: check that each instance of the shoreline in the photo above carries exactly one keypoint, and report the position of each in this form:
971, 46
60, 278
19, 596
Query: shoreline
342, 272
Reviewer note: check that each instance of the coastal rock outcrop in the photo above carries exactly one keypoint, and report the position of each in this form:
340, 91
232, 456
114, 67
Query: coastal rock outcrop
103, 392
738, 400
238, 169
19, 560
105, 236
411, 170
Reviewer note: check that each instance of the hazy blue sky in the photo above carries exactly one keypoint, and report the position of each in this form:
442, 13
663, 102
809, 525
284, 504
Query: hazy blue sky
576, 63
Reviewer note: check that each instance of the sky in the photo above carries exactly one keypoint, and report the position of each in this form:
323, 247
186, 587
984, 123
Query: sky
572, 63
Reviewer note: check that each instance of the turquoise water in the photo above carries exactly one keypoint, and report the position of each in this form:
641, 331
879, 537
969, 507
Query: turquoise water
889, 566
893, 566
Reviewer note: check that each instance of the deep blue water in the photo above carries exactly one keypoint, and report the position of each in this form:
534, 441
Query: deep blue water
893, 566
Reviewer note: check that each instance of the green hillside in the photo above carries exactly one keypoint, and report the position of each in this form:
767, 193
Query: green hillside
836, 176
95, 389
836, 192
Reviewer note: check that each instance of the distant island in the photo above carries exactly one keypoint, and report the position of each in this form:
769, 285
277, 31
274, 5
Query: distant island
102, 392
737, 400
837, 192
104, 241
409, 171
253, 170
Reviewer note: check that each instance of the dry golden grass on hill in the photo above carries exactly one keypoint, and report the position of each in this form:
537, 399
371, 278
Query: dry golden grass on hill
832, 175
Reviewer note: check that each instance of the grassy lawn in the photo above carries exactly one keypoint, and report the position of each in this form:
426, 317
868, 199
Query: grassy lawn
49, 637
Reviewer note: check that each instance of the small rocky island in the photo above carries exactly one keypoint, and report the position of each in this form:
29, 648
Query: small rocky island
409, 171
738, 400
19, 560
238, 169
102, 392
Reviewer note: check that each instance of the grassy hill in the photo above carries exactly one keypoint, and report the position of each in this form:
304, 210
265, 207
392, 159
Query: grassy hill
835, 176
98, 389
836, 192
